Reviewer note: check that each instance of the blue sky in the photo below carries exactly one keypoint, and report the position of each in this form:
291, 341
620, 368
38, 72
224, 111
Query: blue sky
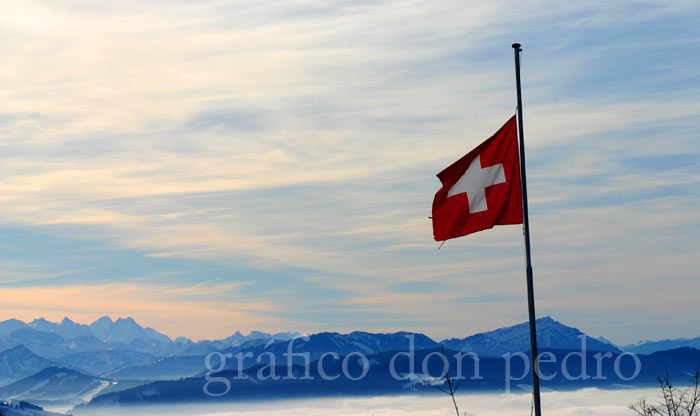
214, 166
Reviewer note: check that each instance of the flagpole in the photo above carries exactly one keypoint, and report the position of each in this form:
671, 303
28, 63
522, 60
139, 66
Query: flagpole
526, 232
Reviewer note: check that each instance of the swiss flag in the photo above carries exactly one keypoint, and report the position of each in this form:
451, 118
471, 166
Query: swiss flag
480, 190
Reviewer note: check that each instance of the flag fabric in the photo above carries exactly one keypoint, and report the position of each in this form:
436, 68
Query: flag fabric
480, 190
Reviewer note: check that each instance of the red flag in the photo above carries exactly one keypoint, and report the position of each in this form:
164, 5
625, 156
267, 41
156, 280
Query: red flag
480, 190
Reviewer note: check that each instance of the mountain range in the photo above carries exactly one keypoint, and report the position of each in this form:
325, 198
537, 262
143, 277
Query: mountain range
649, 347
99, 348
379, 381
550, 334
114, 358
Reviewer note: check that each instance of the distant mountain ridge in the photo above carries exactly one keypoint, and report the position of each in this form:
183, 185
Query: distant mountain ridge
6, 327
317, 344
105, 346
551, 334
554, 336
67, 329
125, 331
649, 347
20, 362
41, 361
52, 340
123, 350
379, 381
55, 385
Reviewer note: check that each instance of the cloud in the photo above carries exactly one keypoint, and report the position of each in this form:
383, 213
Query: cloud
303, 139
576, 403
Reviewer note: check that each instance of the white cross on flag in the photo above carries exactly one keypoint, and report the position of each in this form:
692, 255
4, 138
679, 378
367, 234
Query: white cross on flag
480, 190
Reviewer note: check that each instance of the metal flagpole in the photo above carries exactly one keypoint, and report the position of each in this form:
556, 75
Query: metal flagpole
526, 233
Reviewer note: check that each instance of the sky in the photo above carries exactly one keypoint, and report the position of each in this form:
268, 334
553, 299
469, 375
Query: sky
212, 166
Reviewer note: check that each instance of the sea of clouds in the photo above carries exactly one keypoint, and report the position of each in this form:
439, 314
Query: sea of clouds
575, 403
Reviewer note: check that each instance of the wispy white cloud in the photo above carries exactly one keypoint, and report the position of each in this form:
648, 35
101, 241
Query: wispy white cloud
305, 136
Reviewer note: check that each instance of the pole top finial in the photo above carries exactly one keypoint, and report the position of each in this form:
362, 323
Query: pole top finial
516, 46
